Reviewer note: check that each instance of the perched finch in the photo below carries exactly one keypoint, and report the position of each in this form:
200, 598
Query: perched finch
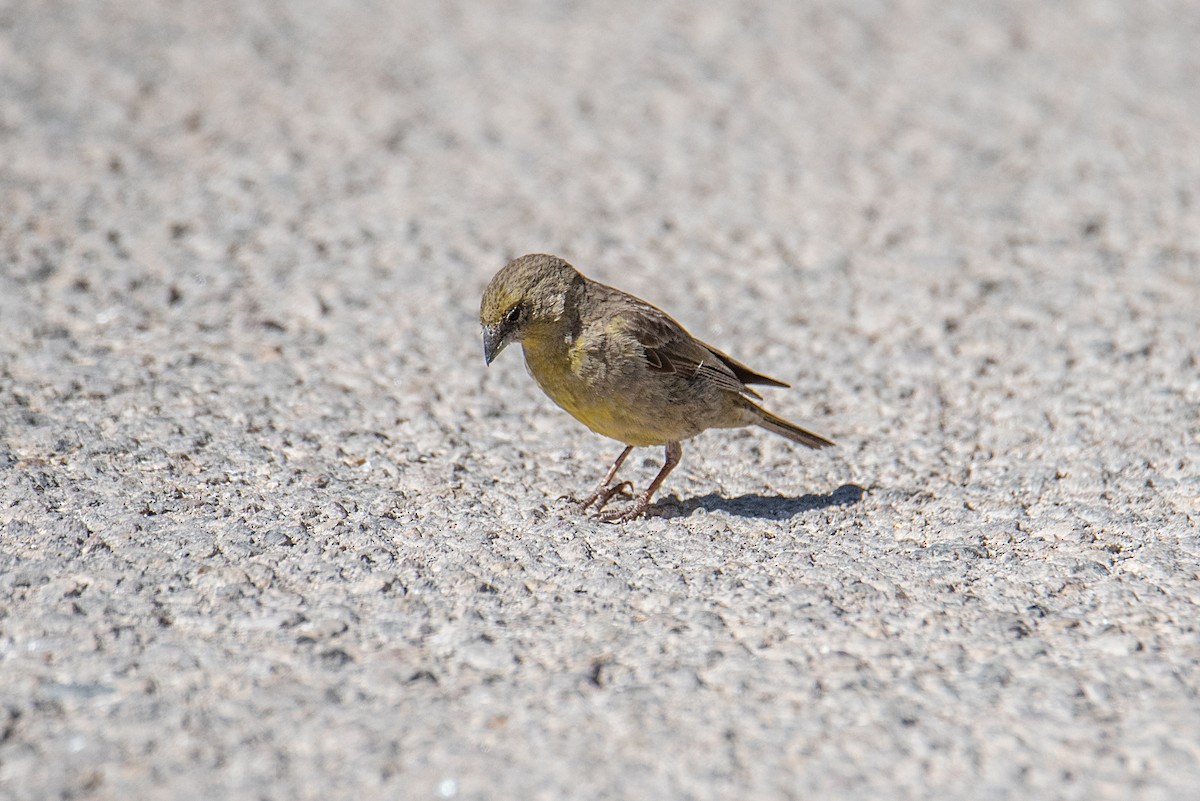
621, 366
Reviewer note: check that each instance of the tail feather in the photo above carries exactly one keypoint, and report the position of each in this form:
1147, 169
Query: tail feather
783, 428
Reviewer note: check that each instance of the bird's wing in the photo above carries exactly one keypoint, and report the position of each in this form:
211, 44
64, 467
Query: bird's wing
744, 373
668, 348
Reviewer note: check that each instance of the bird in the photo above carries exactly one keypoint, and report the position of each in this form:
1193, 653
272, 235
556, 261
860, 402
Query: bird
622, 367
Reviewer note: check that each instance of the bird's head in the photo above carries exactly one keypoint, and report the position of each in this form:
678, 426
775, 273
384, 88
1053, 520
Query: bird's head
528, 293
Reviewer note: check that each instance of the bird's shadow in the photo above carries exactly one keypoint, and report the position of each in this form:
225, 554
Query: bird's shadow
767, 507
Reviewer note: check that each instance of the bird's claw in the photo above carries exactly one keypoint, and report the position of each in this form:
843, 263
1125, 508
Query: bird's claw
605, 494
624, 488
631, 512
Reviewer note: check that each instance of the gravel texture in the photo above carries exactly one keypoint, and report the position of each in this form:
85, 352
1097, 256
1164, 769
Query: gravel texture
269, 529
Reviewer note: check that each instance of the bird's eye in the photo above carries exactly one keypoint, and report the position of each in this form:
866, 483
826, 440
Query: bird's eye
513, 316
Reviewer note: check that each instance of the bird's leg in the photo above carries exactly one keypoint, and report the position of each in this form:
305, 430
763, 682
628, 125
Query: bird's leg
615, 489
674, 452
603, 493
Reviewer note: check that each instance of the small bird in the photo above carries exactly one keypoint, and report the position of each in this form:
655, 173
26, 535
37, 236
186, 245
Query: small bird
621, 366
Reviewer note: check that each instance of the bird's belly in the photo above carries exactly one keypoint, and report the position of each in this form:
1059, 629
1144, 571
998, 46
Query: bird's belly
604, 408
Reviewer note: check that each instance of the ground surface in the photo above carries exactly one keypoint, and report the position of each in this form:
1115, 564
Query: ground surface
271, 530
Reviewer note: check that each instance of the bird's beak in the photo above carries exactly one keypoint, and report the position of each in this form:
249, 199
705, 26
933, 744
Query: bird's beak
493, 342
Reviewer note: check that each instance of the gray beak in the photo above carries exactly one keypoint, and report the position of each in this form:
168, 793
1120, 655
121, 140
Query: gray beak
493, 342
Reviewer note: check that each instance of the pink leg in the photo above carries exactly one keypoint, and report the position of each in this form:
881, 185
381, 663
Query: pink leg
674, 452
603, 493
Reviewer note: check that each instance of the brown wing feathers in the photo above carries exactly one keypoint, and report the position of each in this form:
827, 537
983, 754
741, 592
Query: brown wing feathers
684, 354
669, 348
695, 361
744, 373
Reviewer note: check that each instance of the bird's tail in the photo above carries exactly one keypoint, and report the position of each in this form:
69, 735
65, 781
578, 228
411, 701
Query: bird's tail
783, 428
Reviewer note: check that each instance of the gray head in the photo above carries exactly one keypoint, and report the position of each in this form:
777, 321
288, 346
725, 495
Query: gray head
527, 293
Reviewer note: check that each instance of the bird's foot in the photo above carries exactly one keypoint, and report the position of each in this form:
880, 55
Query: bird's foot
603, 495
633, 511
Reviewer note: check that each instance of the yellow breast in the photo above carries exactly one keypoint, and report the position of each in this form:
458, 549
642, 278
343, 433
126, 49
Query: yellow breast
596, 398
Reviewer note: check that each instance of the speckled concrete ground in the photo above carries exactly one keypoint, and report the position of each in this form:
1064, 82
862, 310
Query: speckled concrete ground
271, 530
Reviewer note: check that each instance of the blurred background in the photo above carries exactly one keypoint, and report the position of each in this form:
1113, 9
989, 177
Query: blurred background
241, 251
